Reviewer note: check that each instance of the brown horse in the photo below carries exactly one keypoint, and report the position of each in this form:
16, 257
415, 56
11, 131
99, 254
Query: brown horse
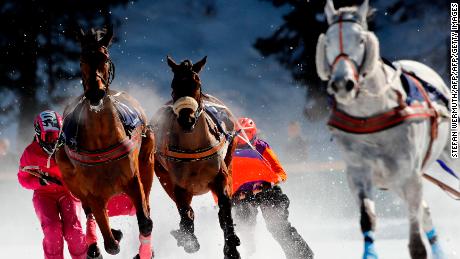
103, 156
194, 152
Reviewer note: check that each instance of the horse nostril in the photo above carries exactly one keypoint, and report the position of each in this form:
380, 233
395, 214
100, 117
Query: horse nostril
349, 85
334, 86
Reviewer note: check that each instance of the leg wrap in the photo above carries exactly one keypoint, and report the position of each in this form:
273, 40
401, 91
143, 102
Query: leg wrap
145, 248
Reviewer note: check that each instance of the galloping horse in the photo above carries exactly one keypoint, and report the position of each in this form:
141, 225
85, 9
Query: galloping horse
108, 147
390, 119
194, 152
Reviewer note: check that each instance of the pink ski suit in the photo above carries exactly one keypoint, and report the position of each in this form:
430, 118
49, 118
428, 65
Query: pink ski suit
56, 208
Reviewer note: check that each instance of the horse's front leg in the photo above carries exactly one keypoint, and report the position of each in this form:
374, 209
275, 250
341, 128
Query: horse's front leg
430, 231
185, 235
219, 187
360, 182
91, 235
136, 193
112, 237
146, 164
411, 192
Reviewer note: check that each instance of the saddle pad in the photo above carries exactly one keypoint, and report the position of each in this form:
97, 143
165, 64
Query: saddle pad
219, 116
129, 117
413, 94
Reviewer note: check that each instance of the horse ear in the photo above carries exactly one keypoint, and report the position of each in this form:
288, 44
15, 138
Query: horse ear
363, 9
372, 54
322, 67
330, 11
172, 64
105, 41
198, 66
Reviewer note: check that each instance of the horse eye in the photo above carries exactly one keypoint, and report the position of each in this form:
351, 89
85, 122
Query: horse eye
361, 41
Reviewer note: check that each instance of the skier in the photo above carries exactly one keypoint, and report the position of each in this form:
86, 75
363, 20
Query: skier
256, 174
57, 210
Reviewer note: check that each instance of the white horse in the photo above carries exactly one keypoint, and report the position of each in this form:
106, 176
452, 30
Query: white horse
364, 87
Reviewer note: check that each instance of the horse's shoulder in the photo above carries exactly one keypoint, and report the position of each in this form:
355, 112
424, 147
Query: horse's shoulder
126, 98
425, 73
72, 105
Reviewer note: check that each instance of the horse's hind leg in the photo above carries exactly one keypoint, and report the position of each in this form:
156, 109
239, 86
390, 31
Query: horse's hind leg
136, 193
430, 231
185, 235
219, 187
361, 185
411, 192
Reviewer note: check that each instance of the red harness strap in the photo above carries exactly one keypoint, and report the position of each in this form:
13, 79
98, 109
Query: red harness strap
402, 113
117, 152
380, 122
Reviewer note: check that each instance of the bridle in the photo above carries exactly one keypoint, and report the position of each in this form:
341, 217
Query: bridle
102, 50
340, 19
199, 110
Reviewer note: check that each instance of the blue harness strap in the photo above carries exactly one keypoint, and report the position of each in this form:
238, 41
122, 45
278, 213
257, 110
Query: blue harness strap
70, 126
414, 94
130, 117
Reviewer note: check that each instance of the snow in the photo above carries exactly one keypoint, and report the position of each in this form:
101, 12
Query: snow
322, 208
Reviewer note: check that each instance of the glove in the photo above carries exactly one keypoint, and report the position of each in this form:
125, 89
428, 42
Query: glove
42, 182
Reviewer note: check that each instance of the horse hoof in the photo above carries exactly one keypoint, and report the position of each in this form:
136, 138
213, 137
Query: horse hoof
230, 252
437, 252
232, 240
117, 234
369, 251
112, 249
417, 250
186, 240
139, 257
93, 252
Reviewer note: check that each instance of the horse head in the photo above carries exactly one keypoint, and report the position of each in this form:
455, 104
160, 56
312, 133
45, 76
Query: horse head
97, 69
186, 91
347, 52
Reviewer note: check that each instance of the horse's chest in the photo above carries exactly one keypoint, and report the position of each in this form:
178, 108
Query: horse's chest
194, 176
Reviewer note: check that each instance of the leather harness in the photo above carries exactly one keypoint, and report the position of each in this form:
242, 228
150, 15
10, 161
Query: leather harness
380, 122
116, 152
175, 154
